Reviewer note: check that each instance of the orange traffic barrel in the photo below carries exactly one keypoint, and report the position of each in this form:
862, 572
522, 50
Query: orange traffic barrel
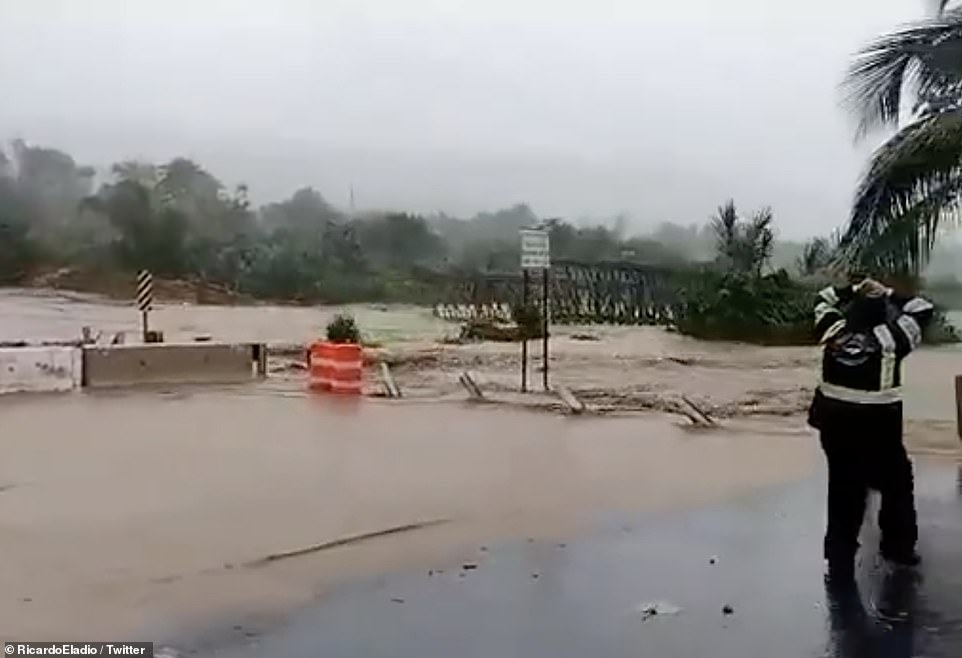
346, 368
319, 366
336, 367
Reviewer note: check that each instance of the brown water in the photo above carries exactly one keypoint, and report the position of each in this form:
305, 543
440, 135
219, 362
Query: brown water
628, 367
131, 512
44, 315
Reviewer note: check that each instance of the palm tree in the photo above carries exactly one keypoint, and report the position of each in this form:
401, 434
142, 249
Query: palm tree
743, 246
913, 185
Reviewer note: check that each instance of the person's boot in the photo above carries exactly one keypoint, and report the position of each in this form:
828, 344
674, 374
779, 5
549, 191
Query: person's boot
908, 559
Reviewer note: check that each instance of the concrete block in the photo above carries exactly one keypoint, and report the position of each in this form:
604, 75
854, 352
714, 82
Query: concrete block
169, 363
39, 369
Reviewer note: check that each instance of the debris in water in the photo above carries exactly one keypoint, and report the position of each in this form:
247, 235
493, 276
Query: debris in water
469, 566
728, 610
536, 575
696, 415
484, 549
585, 337
713, 559
655, 608
346, 541
574, 405
397, 600
562, 546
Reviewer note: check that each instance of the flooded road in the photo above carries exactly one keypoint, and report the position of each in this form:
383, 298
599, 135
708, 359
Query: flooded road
740, 579
136, 512
613, 369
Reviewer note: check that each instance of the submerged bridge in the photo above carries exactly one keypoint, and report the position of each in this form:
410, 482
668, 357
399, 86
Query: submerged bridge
578, 293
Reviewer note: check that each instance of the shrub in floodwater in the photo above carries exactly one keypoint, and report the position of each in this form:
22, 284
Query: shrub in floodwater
343, 329
529, 321
770, 309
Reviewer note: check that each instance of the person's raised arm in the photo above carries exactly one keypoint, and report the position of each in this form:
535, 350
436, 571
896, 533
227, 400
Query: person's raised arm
908, 326
829, 319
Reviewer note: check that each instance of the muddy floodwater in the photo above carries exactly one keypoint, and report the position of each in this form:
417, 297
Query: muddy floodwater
145, 512
137, 512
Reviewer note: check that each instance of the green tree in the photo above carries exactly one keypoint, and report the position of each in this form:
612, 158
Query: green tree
913, 185
17, 250
305, 210
147, 236
817, 257
743, 246
398, 240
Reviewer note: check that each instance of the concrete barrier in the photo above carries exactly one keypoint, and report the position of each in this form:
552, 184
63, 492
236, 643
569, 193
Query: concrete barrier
170, 363
39, 369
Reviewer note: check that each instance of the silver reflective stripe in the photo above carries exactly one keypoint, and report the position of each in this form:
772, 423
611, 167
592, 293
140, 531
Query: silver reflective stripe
887, 340
831, 331
828, 294
917, 305
911, 329
846, 394
823, 309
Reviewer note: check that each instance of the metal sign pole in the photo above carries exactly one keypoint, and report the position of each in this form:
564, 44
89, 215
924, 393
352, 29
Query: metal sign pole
535, 255
544, 317
524, 335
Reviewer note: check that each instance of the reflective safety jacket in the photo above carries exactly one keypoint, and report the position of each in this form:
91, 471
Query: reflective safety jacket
865, 340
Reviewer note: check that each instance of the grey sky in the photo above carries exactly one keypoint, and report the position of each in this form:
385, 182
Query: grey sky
581, 107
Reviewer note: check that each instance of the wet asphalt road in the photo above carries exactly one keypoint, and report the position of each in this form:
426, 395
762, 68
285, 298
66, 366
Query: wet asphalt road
757, 557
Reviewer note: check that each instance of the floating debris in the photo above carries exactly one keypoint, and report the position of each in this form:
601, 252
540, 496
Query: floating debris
656, 608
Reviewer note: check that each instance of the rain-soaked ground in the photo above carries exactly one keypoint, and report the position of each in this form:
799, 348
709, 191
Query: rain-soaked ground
736, 580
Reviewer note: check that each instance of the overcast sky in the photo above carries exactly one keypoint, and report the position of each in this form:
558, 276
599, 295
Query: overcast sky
580, 107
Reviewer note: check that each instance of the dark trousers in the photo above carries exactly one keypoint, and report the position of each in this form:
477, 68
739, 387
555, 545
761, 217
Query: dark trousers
864, 449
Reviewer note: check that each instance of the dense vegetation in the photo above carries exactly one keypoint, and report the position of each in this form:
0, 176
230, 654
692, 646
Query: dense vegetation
181, 222
739, 297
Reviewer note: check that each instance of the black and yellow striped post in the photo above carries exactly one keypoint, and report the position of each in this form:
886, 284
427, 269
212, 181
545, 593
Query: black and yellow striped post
145, 298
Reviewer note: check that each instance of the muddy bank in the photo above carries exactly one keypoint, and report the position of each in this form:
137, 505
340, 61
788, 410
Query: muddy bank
135, 514
121, 286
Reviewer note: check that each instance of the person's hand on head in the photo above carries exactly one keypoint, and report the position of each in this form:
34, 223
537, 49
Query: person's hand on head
872, 288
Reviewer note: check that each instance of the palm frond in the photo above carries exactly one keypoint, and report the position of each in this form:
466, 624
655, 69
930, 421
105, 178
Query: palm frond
761, 237
925, 56
725, 226
912, 186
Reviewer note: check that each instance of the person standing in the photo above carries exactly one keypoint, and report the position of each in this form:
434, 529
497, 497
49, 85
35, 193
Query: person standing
866, 330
